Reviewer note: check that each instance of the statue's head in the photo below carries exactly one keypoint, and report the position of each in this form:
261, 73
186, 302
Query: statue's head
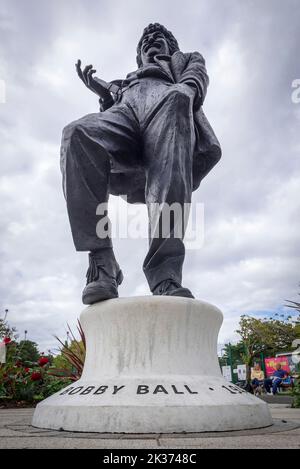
156, 39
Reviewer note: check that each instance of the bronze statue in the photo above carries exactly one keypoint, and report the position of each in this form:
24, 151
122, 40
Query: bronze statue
151, 142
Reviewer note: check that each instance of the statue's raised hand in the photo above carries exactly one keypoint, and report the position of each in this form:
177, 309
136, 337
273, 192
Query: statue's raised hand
98, 86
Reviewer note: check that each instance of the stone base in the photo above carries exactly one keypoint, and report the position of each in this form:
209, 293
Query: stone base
151, 367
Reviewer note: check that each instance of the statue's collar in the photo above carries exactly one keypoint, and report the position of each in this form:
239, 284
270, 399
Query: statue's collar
160, 68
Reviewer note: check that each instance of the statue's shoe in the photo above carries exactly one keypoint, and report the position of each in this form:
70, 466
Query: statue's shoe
103, 277
172, 288
102, 289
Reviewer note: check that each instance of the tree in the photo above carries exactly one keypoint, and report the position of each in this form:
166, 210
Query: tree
28, 351
296, 306
7, 331
268, 336
232, 354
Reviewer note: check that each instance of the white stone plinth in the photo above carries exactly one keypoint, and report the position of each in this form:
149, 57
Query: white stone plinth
151, 367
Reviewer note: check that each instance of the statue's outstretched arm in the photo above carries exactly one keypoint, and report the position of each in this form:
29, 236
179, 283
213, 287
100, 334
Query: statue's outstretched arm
95, 84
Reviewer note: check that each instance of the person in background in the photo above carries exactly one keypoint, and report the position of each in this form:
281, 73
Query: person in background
257, 377
275, 380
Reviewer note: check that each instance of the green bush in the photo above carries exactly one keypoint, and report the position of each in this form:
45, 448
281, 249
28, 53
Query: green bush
28, 377
19, 382
296, 394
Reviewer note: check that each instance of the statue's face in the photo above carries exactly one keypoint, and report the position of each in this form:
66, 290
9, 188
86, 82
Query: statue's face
153, 44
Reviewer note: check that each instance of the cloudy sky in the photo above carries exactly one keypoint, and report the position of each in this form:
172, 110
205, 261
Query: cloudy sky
249, 262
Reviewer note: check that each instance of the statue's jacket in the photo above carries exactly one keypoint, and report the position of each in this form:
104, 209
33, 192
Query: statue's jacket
182, 68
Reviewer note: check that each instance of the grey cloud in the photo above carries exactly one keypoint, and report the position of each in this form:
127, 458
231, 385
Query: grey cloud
250, 258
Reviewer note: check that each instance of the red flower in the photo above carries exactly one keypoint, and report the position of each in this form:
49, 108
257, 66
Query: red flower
6, 340
43, 361
36, 376
26, 370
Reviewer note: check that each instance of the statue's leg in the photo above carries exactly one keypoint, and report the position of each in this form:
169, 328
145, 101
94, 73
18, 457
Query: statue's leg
169, 145
85, 166
86, 152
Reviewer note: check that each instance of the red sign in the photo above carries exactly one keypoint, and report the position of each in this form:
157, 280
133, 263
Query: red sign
271, 363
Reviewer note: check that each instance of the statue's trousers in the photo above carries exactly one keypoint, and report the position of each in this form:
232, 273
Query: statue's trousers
151, 127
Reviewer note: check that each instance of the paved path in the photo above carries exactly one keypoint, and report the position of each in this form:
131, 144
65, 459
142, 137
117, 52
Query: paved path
16, 432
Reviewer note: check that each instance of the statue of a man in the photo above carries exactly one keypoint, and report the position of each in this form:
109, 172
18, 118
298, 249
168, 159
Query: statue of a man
150, 141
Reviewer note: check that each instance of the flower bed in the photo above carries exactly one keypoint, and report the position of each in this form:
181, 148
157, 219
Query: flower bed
24, 383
